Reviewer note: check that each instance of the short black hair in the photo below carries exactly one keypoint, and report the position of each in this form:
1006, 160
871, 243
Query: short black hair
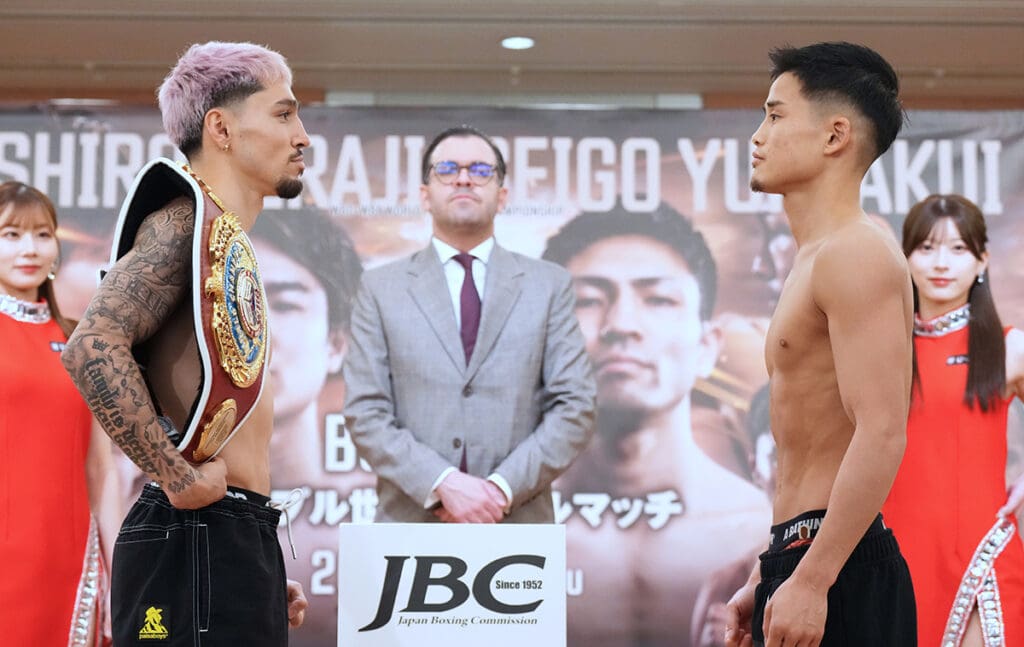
462, 131
309, 237
664, 225
850, 73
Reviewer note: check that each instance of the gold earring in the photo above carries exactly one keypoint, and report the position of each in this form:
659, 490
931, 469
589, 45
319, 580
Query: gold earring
227, 146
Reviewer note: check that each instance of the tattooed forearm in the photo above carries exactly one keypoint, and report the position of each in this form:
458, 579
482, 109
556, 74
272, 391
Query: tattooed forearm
133, 302
182, 483
104, 400
160, 446
132, 446
113, 387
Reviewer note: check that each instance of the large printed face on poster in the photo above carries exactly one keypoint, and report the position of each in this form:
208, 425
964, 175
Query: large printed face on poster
667, 508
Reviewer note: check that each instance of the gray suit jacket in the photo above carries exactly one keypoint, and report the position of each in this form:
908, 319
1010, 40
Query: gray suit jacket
523, 407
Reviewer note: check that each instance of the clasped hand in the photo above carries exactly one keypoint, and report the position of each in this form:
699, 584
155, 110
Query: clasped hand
469, 499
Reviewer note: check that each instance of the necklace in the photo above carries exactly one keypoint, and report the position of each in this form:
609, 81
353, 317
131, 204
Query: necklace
944, 324
37, 313
204, 186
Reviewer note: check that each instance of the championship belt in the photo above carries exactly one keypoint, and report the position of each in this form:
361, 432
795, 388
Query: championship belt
228, 304
979, 586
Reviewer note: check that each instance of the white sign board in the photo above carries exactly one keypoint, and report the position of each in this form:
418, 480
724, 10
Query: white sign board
451, 584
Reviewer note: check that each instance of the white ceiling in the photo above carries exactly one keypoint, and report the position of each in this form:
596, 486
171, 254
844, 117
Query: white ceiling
947, 52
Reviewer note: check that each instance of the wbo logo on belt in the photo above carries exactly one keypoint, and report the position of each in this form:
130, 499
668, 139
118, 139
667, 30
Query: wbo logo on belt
239, 311
238, 323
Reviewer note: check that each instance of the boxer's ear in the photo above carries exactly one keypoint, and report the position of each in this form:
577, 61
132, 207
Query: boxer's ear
217, 128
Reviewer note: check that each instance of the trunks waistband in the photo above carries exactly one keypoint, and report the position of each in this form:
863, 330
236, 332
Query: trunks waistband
801, 530
236, 500
247, 495
877, 544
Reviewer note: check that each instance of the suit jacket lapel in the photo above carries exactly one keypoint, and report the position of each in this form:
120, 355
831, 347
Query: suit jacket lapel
429, 289
500, 294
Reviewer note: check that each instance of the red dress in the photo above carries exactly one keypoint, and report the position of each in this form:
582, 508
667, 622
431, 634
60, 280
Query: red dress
47, 542
948, 489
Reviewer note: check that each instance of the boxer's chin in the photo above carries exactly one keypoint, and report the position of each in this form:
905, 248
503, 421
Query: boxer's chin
288, 188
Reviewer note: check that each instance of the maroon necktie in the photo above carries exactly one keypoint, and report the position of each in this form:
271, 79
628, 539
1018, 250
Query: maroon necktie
469, 306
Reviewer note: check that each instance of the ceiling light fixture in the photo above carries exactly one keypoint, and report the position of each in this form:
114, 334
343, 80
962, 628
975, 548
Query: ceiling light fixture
517, 42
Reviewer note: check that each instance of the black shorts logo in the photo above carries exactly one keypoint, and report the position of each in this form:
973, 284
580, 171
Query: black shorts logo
153, 622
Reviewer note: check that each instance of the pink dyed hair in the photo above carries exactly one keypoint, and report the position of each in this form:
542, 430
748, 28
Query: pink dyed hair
212, 75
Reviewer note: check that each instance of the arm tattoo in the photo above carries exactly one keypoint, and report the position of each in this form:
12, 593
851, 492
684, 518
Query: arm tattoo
132, 303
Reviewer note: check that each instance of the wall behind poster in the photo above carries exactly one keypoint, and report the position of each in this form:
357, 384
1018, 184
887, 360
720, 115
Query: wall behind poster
649, 563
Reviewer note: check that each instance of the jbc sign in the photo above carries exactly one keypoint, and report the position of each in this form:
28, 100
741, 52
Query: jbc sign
486, 579
458, 585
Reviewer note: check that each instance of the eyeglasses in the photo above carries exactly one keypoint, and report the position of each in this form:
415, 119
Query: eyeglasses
480, 173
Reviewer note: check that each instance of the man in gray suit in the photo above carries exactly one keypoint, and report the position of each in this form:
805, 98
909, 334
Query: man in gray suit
469, 388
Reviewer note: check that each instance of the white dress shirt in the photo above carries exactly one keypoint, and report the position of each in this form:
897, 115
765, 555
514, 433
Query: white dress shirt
455, 275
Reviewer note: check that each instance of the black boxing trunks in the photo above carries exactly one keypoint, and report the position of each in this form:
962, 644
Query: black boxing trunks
872, 600
211, 577
228, 305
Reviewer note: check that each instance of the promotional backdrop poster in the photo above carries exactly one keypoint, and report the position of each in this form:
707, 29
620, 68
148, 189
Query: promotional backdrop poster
667, 509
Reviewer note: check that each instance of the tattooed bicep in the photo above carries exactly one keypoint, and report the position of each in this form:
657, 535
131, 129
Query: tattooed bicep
145, 285
166, 234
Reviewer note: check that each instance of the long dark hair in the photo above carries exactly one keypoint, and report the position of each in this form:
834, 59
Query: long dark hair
21, 196
986, 346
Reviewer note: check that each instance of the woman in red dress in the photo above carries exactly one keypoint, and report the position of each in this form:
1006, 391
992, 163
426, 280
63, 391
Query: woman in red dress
950, 507
59, 507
